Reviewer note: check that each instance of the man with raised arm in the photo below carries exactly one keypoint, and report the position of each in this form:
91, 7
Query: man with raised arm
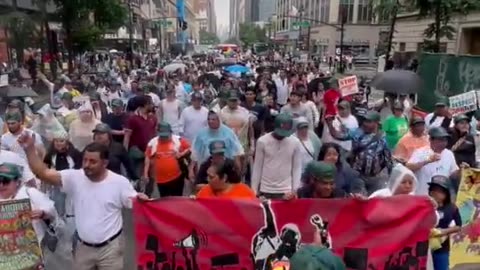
98, 195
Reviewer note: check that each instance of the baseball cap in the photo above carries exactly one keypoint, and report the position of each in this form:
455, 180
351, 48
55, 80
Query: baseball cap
102, 128
283, 125
438, 132
10, 171
164, 129
417, 120
217, 147
117, 103
233, 96
441, 181
322, 171
372, 116
197, 96
460, 118
67, 96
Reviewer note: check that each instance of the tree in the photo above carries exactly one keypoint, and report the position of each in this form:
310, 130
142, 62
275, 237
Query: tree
387, 9
84, 22
208, 38
442, 12
251, 33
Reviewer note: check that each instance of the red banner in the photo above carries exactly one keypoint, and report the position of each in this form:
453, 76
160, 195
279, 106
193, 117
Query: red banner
378, 234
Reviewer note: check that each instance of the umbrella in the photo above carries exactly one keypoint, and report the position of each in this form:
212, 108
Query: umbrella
174, 67
113, 51
15, 91
225, 63
211, 78
398, 82
237, 69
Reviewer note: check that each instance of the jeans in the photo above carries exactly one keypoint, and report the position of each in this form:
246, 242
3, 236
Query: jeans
441, 260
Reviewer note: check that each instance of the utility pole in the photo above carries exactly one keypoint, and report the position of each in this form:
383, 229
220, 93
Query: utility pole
342, 36
130, 30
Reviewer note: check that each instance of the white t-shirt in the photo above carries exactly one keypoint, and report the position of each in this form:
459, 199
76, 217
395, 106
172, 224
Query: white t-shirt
282, 91
436, 123
445, 166
192, 121
9, 142
14, 158
97, 206
171, 114
349, 123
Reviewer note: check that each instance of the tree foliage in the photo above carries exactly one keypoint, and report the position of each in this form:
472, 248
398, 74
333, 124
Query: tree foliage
442, 12
208, 38
251, 33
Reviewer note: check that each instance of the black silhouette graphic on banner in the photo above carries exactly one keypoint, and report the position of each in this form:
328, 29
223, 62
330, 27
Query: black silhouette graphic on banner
407, 259
271, 248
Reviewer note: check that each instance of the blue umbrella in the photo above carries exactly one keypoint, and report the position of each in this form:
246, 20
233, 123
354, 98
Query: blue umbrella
237, 69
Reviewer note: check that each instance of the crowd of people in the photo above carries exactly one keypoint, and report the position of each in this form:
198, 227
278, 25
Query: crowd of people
271, 134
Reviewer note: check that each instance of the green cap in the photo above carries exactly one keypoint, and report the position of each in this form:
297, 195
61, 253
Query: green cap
16, 103
438, 132
102, 128
442, 102
460, 118
67, 96
233, 96
372, 116
417, 120
10, 171
283, 125
164, 129
321, 170
13, 116
312, 257
117, 103
217, 147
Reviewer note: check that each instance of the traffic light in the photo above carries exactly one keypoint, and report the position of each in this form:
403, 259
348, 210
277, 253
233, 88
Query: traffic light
184, 26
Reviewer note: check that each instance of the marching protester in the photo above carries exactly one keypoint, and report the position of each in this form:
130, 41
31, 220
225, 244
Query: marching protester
80, 130
310, 142
416, 138
319, 182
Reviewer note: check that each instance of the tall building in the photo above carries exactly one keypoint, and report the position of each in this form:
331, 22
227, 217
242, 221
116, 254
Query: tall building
237, 16
361, 30
206, 8
265, 10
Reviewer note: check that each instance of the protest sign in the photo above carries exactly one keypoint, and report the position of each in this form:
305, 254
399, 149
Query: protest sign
348, 85
465, 245
207, 234
463, 103
19, 248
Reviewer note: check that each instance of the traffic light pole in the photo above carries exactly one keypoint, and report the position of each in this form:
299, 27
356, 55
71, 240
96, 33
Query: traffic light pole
130, 30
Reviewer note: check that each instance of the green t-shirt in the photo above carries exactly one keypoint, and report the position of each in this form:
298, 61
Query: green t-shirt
394, 128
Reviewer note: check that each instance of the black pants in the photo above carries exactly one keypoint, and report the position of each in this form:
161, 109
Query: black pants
172, 188
272, 196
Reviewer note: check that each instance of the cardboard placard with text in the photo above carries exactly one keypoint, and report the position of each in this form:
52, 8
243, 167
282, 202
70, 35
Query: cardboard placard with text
348, 85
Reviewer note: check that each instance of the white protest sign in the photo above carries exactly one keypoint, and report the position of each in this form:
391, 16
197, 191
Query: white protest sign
463, 103
3, 80
348, 85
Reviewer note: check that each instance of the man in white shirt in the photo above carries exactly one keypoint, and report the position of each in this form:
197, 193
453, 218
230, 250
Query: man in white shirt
282, 88
15, 128
170, 110
98, 195
441, 117
193, 118
432, 160
277, 166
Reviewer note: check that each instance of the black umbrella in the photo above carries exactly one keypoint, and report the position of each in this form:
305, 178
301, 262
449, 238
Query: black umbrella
11, 91
313, 84
398, 82
210, 78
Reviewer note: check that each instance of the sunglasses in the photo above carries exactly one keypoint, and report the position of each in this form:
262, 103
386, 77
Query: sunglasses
5, 181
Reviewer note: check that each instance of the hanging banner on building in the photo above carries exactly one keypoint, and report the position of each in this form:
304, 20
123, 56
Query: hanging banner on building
19, 248
463, 103
348, 85
248, 235
465, 245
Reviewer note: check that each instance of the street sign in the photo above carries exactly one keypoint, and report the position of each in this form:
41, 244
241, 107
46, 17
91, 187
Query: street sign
164, 23
304, 24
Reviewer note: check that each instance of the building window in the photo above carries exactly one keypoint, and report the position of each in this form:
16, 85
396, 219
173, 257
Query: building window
443, 47
346, 9
365, 13
402, 46
325, 10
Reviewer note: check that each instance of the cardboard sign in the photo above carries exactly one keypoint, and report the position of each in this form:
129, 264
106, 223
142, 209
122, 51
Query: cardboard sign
463, 103
348, 85
19, 247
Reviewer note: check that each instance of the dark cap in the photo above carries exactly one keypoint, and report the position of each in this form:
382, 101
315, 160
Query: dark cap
442, 102
233, 96
441, 181
322, 171
197, 96
372, 116
10, 171
438, 132
94, 96
116, 103
67, 96
283, 125
397, 105
16, 103
460, 118
164, 129
13, 116
102, 128
416, 120
217, 147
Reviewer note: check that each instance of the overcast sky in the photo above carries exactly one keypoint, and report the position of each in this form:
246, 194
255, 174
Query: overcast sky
222, 10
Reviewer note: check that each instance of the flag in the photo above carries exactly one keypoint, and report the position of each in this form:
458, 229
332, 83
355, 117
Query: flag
293, 11
206, 234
